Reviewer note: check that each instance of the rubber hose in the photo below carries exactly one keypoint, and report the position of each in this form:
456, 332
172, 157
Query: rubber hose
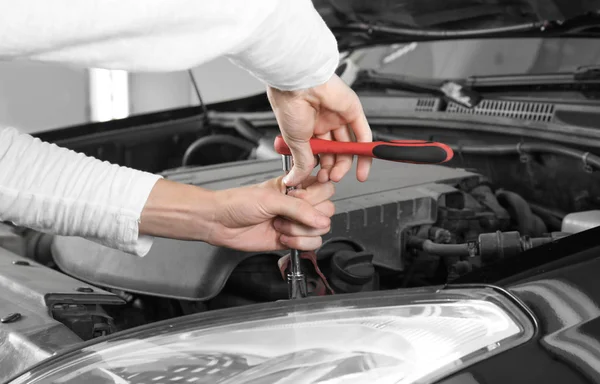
539, 226
507, 149
247, 130
552, 218
438, 249
457, 250
520, 211
215, 139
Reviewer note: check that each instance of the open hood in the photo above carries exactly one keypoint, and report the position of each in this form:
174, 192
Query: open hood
450, 14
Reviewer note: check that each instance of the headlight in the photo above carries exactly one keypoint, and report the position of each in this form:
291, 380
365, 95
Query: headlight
384, 337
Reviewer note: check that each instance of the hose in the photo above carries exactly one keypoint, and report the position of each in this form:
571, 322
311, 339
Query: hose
215, 139
587, 158
551, 217
520, 210
501, 243
247, 130
444, 250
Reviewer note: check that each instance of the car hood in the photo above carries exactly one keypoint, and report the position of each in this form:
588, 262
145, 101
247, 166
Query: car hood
450, 14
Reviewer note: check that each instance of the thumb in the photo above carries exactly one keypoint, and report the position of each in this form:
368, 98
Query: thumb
304, 162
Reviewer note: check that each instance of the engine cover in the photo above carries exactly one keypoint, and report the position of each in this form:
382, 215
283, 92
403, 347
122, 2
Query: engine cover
373, 214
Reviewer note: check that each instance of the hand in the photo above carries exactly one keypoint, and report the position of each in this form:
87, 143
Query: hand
262, 218
331, 111
253, 218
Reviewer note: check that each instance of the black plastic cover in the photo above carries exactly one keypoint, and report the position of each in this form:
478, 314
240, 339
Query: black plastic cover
372, 214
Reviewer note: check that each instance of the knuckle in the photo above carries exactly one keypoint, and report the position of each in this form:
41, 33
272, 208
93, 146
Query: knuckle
317, 242
330, 207
331, 189
325, 231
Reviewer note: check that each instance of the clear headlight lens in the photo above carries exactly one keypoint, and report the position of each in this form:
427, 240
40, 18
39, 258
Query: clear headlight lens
395, 337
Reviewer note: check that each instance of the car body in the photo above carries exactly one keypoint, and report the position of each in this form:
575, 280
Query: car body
502, 240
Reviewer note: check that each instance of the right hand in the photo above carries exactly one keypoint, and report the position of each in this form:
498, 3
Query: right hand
331, 111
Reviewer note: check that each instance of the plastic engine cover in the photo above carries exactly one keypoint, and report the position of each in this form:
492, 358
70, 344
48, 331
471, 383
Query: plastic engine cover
373, 214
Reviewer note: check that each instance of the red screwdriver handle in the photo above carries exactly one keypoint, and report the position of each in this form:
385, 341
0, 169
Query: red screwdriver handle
406, 151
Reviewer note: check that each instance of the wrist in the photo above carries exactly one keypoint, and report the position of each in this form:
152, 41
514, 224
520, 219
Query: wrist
179, 211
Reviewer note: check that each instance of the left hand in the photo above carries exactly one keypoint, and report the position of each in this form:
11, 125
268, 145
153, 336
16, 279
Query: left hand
262, 218
253, 218
331, 111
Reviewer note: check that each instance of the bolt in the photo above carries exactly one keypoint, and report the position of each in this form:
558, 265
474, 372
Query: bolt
85, 289
11, 318
21, 262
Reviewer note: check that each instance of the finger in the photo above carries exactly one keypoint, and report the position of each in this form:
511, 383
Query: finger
290, 228
304, 162
297, 210
277, 184
327, 208
362, 131
346, 103
301, 243
343, 163
316, 193
327, 160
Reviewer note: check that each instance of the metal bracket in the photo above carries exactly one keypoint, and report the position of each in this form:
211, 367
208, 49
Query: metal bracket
523, 156
586, 167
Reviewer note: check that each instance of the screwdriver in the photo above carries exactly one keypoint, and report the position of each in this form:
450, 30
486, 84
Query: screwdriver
406, 151
297, 287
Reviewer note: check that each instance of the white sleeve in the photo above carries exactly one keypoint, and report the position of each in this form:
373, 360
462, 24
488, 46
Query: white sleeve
285, 43
59, 191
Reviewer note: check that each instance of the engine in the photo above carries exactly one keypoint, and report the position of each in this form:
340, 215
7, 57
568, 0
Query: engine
409, 225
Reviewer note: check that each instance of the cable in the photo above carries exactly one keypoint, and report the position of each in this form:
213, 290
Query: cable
197, 91
587, 158
215, 139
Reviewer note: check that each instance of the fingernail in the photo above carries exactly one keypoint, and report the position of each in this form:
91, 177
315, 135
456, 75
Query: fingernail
284, 239
277, 224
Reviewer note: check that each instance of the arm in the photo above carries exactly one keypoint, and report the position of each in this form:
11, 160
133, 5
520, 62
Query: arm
55, 190
284, 43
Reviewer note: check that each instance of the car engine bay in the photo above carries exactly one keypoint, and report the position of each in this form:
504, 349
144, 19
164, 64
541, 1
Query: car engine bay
408, 226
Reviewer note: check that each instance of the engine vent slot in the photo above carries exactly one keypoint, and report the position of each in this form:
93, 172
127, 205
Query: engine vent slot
511, 109
427, 105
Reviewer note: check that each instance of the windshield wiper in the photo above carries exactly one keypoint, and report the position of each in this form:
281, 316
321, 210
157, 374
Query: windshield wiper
449, 90
589, 74
575, 26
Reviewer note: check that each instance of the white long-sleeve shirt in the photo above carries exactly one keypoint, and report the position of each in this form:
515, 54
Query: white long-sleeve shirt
284, 43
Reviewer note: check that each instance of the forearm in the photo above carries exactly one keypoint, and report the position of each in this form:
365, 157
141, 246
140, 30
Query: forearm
180, 211
55, 190
284, 43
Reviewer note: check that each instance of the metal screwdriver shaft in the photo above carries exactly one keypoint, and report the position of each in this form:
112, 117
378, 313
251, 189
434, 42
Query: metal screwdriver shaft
297, 287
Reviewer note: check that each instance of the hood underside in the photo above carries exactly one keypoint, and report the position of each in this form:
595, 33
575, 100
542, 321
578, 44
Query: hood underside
450, 14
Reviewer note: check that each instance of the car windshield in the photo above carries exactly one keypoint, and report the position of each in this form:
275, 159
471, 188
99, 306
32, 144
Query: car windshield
458, 59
